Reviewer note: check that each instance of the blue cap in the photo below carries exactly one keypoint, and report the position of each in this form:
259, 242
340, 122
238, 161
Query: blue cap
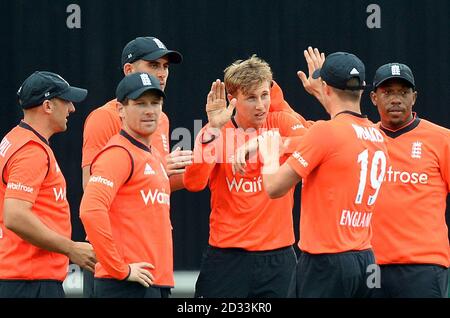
339, 68
393, 70
134, 85
42, 85
148, 49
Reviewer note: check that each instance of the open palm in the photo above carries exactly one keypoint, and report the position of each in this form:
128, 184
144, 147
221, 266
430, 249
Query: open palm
315, 59
216, 105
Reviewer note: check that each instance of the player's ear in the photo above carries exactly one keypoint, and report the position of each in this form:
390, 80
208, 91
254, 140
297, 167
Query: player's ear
128, 69
325, 88
414, 97
373, 98
47, 106
120, 108
229, 97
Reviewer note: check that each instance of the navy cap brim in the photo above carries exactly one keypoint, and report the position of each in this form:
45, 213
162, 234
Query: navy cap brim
138, 93
395, 76
316, 73
74, 94
173, 56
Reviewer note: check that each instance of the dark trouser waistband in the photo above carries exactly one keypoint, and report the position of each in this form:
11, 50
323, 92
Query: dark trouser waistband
341, 253
235, 250
392, 265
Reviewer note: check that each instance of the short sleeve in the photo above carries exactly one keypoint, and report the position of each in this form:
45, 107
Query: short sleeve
99, 127
311, 150
25, 172
290, 125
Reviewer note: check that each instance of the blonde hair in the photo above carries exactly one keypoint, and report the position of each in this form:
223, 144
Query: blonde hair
246, 75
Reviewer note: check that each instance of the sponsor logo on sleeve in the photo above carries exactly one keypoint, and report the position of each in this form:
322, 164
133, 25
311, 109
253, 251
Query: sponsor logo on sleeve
19, 187
101, 180
300, 159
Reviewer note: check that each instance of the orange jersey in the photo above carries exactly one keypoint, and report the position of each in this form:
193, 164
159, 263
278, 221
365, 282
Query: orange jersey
242, 214
409, 221
278, 103
125, 210
104, 122
30, 173
341, 162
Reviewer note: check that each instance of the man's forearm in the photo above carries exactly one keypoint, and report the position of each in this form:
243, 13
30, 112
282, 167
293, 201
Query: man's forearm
22, 221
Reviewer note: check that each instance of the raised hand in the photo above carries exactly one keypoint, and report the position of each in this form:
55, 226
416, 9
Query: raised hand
315, 60
216, 105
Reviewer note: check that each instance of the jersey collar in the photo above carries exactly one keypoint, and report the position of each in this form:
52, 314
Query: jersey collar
135, 142
350, 113
402, 130
24, 125
233, 121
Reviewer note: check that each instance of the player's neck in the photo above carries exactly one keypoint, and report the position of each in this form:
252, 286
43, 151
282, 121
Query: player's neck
245, 124
145, 140
40, 125
345, 107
